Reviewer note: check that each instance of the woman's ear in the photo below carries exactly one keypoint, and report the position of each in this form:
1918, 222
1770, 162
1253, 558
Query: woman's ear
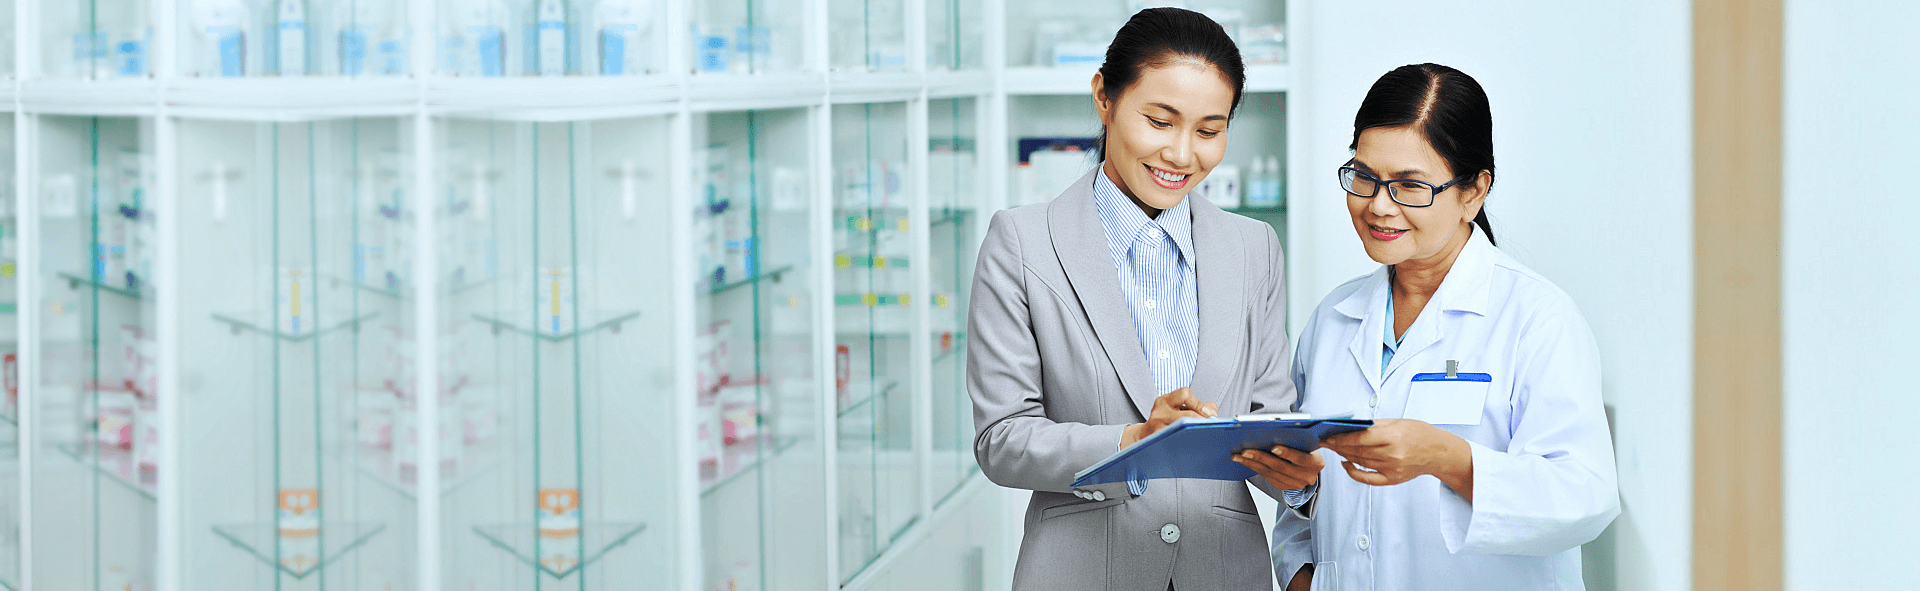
1474, 195
1100, 102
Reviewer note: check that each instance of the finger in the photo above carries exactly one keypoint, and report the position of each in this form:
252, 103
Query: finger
1181, 398
1365, 477
1277, 470
1280, 479
1304, 459
1210, 408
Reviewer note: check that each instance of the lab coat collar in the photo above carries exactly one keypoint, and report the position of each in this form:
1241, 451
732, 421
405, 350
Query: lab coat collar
1465, 289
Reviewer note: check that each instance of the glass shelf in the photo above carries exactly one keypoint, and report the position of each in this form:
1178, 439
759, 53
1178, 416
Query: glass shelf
75, 281
378, 468
310, 553
238, 325
550, 556
709, 486
774, 275
611, 324
96, 39
746, 37
119, 466
1068, 35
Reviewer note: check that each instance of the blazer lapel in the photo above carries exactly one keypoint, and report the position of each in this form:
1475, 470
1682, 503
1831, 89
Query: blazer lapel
1081, 244
1220, 275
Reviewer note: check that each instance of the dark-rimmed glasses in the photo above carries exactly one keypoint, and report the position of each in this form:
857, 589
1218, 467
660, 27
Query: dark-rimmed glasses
1408, 192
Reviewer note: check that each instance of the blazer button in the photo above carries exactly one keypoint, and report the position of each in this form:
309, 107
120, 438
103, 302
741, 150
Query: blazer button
1081, 493
1099, 496
1169, 533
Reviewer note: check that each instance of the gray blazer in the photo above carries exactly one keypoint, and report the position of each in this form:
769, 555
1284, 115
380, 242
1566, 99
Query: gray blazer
1056, 371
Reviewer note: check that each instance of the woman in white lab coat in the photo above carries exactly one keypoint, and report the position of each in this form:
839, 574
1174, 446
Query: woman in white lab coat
1489, 463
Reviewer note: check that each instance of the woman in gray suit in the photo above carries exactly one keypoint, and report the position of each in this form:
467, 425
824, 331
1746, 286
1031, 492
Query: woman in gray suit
1122, 305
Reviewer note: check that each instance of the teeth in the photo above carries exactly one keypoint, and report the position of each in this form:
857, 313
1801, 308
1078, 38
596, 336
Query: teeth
1168, 176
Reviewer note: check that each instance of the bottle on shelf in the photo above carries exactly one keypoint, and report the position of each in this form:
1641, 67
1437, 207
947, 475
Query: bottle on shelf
622, 24
476, 40
1276, 182
291, 37
220, 37
550, 24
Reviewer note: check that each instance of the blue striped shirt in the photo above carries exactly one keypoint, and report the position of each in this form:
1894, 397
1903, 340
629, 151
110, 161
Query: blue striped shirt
1154, 257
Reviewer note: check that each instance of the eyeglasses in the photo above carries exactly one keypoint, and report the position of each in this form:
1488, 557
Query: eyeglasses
1408, 192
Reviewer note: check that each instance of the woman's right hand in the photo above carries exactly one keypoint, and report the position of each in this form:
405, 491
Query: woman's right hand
1168, 408
1302, 580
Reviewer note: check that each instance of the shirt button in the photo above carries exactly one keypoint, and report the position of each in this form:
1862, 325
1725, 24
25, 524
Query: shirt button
1169, 533
1150, 304
1364, 542
1163, 353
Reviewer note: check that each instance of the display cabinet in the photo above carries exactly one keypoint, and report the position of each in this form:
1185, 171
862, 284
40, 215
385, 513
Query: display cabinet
758, 398
1075, 35
552, 245
873, 311
955, 35
241, 38
510, 294
297, 432
868, 35
95, 39
94, 424
954, 208
10, 415
508, 38
747, 37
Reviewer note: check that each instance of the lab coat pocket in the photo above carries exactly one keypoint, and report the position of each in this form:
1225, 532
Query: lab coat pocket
1447, 402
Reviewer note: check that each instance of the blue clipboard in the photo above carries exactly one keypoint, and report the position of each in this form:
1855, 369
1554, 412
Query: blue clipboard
1201, 448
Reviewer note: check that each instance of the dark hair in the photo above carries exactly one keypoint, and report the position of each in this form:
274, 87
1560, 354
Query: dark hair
1444, 105
1156, 36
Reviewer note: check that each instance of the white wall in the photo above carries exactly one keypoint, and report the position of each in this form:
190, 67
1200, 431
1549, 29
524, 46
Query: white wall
1849, 274
1592, 132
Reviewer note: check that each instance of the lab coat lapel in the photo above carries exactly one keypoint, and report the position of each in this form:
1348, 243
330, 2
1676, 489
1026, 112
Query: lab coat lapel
1081, 244
1220, 275
1463, 290
1367, 305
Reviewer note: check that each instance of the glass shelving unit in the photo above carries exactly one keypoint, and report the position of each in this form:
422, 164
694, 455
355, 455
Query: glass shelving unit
550, 310
515, 38
298, 406
955, 30
873, 285
709, 333
954, 206
868, 35
292, 38
1075, 35
94, 392
10, 542
757, 390
747, 37
95, 39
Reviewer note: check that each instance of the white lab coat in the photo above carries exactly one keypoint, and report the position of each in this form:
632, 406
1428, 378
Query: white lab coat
1543, 473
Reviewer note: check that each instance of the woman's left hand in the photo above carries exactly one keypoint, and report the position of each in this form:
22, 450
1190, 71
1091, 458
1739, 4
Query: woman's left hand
1393, 451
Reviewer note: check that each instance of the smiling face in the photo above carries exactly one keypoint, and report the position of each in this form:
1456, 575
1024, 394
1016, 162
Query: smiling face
1166, 132
1394, 233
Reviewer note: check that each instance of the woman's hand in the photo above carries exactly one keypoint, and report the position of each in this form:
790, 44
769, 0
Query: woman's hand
1285, 468
1393, 451
1302, 579
1168, 408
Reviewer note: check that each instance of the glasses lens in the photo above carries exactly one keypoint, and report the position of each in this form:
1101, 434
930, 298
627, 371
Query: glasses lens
1356, 183
1412, 193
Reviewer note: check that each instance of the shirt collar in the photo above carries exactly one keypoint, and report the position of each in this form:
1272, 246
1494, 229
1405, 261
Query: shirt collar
1123, 220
